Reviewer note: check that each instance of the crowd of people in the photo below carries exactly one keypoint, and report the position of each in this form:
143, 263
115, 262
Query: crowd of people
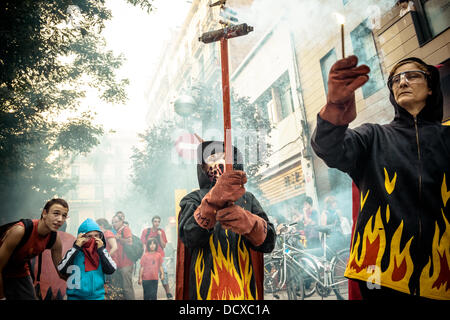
306, 225
399, 170
98, 264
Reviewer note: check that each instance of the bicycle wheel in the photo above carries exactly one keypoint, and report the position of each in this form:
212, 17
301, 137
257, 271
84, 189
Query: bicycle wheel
340, 283
309, 268
273, 276
294, 284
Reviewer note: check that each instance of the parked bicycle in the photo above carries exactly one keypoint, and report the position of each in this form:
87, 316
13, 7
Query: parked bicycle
302, 272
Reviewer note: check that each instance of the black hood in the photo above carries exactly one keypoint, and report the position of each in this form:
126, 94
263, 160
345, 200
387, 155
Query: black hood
434, 108
207, 148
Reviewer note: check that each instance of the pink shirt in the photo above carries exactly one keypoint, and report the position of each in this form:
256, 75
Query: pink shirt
151, 263
119, 256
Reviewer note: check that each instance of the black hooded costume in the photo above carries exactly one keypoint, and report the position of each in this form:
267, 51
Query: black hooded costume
218, 264
402, 169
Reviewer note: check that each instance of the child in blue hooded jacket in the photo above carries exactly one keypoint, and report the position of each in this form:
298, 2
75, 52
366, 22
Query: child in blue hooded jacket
86, 263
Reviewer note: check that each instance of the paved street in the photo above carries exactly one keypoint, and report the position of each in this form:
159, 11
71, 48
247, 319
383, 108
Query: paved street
268, 296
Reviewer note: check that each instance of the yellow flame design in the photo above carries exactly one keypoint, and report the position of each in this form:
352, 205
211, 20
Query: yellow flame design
397, 259
438, 284
444, 192
389, 184
199, 271
366, 266
246, 269
224, 269
370, 235
363, 200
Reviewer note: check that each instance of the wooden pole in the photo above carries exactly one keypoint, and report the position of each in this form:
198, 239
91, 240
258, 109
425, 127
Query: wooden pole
226, 104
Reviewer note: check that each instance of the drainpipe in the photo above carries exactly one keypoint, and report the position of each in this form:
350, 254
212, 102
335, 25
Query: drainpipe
306, 157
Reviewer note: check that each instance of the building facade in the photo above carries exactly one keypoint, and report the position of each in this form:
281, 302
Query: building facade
101, 181
283, 67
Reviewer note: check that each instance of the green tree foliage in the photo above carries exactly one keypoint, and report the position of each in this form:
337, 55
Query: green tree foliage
157, 172
50, 53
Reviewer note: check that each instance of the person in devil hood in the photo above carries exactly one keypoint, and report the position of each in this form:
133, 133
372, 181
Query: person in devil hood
86, 264
401, 241
223, 233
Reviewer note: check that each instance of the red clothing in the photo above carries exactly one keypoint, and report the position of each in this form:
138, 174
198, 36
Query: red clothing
353, 288
120, 257
108, 235
17, 266
151, 263
149, 233
49, 275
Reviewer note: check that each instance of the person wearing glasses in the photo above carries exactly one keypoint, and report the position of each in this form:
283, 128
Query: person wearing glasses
15, 278
401, 242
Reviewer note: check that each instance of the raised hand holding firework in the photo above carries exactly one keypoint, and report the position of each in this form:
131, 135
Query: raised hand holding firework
344, 78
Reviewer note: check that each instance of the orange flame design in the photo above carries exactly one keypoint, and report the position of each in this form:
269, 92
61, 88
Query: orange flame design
400, 268
227, 283
373, 245
437, 283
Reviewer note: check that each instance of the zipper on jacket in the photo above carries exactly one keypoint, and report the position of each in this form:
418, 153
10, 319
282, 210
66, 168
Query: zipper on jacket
420, 185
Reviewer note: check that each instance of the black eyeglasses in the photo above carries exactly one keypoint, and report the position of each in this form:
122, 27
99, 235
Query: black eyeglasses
414, 76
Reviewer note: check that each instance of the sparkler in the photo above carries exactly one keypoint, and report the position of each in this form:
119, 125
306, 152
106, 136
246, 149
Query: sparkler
341, 20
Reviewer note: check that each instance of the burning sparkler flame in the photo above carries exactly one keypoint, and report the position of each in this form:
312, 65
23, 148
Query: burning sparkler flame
339, 18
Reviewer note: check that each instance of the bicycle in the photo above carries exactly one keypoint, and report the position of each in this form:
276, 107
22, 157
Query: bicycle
302, 273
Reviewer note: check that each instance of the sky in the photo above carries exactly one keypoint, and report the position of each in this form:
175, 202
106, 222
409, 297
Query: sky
140, 37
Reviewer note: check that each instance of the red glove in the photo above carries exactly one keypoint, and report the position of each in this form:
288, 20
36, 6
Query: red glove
344, 78
243, 222
228, 188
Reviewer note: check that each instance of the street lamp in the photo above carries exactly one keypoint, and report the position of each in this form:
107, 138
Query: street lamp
185, 105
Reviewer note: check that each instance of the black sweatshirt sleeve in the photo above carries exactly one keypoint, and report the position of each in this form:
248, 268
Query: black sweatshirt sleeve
108, 264
191, 234
340, 147
68, 259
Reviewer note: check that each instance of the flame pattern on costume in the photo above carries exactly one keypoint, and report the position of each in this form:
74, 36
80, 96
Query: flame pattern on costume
438, 264
230, 279
373, 244
369, 249
435, 277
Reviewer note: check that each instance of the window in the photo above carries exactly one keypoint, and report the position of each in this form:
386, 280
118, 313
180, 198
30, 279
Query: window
364, 48
325, 64
431, 18
277, 102
437, 14
285, 96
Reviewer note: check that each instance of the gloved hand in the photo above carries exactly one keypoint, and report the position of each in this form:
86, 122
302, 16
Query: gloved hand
243, 222
344, 78
228, 188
